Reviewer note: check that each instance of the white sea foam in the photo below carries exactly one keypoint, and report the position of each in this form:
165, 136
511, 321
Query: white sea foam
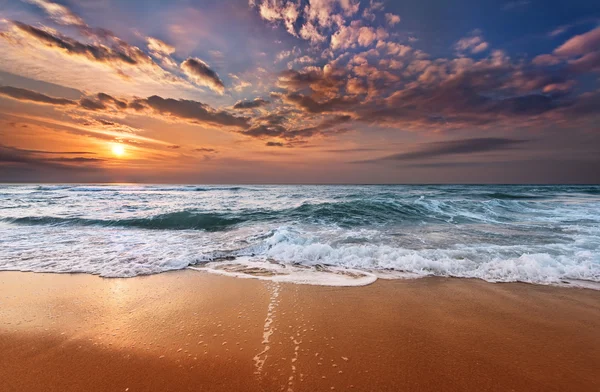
254, 233
246, 267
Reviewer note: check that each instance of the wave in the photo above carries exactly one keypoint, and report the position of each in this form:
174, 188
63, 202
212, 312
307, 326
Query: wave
141, 189
509, 196
294, 254
343, 214
183, 220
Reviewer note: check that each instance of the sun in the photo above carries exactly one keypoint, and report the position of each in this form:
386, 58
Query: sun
118, 150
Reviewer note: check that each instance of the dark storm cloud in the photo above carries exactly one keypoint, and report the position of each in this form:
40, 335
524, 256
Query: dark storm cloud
256, 103
455, 147
200, 73
274, 144
28, 95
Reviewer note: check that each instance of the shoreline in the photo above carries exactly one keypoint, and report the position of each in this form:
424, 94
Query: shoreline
190, 330
382, 275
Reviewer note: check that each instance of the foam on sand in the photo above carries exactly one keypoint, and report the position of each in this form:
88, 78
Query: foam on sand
247, 267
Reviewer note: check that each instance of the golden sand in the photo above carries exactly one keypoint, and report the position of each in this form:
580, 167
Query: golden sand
192, 331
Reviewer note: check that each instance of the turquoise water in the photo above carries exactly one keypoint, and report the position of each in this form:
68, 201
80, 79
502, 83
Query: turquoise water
307, 234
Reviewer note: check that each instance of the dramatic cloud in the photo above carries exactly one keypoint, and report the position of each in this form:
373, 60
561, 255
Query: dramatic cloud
90, 51
200, 73
324, 74
313, 21
456, 147
32, 96
126, 61
30, 47
256, 103
166, 108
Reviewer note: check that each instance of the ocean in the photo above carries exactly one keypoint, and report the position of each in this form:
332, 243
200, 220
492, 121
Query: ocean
330, 235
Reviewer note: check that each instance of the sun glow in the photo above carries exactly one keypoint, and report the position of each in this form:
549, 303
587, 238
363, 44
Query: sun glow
118, 150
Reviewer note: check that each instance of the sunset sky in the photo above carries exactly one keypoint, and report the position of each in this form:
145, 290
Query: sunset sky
321, 91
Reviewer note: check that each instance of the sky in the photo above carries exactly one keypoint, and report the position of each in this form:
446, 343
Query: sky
282, 91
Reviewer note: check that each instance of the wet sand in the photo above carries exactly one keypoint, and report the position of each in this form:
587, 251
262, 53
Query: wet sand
192, 331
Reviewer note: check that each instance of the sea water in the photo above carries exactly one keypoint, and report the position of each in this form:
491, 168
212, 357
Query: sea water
336, 235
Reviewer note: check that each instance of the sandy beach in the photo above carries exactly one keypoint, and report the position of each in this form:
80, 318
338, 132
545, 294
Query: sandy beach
194, 331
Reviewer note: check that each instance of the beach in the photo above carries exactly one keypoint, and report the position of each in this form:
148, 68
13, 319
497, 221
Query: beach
192, 330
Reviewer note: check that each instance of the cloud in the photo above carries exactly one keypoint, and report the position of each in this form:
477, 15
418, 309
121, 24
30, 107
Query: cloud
29, 49
125, 60
166, 108
313, 21
273, 127
371, 9
356, 35
581, 53
559, 30
392, 19
38, 158
455, 147
159, 47
192, 111
206, 150
310, 105
59, 13
546, 60
200, 73
580, 44
162, 51
256, 103
99, 53
91, 104
274, 144
474, 43
351, 150
32, 96
105, 98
